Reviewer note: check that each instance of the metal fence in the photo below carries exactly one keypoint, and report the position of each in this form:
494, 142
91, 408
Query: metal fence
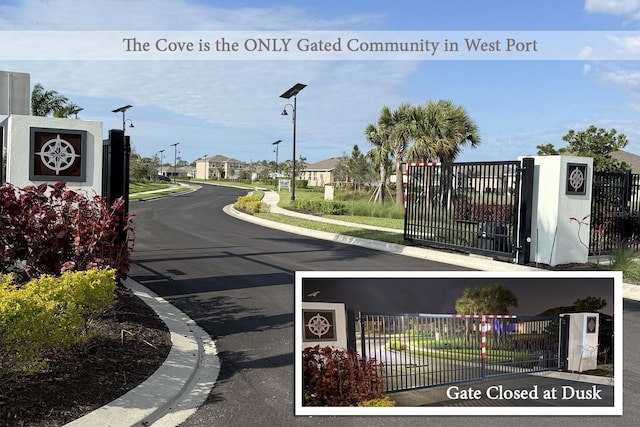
425, 350
615, 212
466, 206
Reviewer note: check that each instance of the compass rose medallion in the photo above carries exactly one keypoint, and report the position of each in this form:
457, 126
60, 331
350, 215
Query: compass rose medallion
57, 154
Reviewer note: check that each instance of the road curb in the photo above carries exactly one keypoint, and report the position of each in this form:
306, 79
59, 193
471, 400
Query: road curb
629, 291
178, 387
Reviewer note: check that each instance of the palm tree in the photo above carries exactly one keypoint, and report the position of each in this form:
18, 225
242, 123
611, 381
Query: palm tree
379, 155
442, 129
398, 126
46, 102
66, 110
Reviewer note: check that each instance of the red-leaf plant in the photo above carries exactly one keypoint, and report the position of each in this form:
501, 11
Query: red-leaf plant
50, 229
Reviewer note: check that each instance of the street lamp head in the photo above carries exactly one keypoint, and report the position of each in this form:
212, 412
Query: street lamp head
122, 109
76, 111
284, 112
277, 142
293, 91
130, 123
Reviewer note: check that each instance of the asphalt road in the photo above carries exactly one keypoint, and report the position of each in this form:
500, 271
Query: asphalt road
235, 279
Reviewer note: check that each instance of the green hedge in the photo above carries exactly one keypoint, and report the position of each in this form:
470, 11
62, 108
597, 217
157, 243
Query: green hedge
326, 207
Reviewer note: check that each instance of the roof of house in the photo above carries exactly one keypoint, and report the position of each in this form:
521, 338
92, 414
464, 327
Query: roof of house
219, 158
323, 165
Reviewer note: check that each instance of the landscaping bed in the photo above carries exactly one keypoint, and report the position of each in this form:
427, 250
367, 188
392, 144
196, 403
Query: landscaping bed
128, 344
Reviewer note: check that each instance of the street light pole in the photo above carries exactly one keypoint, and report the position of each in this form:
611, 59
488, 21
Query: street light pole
123, 110
161, 158
206, 167
277, 143
293, 91
175, 160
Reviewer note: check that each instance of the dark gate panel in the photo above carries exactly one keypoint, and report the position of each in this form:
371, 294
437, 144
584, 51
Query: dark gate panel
465, 206
426, 350
615, 212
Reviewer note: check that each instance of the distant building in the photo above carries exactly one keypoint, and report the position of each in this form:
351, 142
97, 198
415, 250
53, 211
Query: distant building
321, 173
185, 171
219, 167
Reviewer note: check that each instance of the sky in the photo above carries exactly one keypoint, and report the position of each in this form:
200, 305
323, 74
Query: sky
230, 105
437, 292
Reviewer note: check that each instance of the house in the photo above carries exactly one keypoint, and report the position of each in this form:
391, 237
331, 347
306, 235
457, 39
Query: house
218, 166
321, 173
170, 171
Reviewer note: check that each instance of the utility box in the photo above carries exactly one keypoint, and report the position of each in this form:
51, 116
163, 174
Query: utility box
328, 192
579, 340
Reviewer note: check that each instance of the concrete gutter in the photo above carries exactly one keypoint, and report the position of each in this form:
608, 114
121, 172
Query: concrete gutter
177, 388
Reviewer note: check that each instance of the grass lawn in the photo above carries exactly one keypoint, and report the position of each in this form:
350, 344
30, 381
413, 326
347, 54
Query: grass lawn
333, 228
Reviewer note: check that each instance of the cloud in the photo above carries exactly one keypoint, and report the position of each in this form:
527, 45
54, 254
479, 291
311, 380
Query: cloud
230, 107
622, 76
178, 15
625, 8
585, 53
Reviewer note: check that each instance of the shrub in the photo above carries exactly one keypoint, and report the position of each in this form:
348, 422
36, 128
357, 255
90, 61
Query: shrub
626, 260
379, 402
332, 377
326, 207
49, 313
51, 229
250, 204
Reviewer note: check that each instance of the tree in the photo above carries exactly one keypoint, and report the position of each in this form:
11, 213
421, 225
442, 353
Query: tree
340, 172
357, 166
49, 102
379, 155
490, 299
593, 142
442, 129
590, 304
141, 168
397, 128
438, 131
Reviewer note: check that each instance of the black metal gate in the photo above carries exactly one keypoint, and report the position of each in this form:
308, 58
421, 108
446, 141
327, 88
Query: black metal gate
473, 207
615, 212
426, 350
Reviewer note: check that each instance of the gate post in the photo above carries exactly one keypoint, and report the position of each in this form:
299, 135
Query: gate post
351, 331
526, 210
116, 182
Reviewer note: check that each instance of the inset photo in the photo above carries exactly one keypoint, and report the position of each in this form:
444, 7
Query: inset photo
458, 343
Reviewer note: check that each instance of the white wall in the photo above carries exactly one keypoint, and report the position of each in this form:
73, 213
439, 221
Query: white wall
340, 325
556, 239
17, 128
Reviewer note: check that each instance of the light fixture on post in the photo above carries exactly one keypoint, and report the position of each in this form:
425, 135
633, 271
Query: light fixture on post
175, 159
293, 92
130, 123
123, 110
277, 143
76, 111
161, 158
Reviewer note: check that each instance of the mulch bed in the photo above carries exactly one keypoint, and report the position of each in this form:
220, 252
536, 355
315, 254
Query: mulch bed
129, 343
